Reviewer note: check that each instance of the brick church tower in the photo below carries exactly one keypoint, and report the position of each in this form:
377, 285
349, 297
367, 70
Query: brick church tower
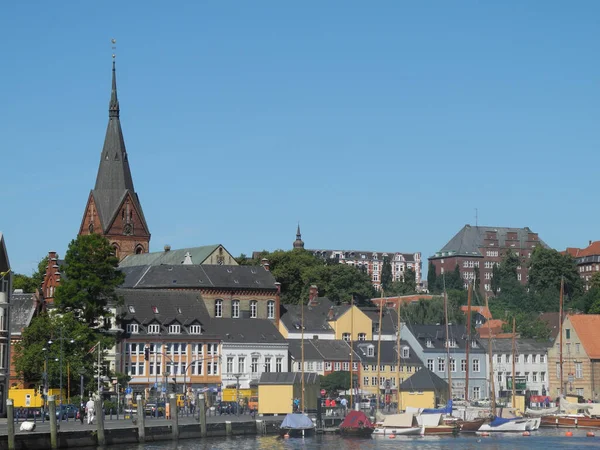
113, 208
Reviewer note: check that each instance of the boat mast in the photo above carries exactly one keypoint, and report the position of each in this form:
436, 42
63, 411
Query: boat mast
447, 346
379, 353
398, 358
514, 351
492, 388
468, 346
351, 350
302, 347
560, 318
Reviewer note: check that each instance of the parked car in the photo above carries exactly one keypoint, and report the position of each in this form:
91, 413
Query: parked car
151, 408
64, 411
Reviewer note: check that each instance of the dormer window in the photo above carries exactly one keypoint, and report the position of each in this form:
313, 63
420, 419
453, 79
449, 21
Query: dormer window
370, 350
362, 336
155, 309
474, 344
405, 352
133, 328
195, 329
131, 309
346, 337
429, 343
452, 343
154, 328
175, 329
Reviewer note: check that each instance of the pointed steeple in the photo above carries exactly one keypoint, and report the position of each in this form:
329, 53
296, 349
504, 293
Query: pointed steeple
298, 243
113, 106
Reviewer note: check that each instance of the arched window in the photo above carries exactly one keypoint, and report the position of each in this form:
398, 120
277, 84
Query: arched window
115, 247
235, 309
270, 309
218, 308
253, 309
139, 250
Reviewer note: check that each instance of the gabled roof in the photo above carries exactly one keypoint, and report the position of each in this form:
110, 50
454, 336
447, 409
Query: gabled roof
310, 352
315, 317
424, 380
172, 257
22, 308
114, 180
470, 239
591, 250
4, 263
553, 322
389, 317
524, 346
437, 334
288, 378
483, 310
587, 327
389, 353
197, 277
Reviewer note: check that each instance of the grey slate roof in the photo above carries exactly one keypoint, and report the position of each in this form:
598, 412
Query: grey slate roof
389, 317
22, 308
114, 179
288, 378
4, 264
315, 317
198, 276
389, 354
171, 257
326, 350
424, 380
470, 239
173, 306
248, 331
437, 334
524, 346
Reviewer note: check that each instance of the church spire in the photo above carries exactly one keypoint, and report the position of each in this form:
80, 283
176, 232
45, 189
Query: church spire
113, 106
298, 243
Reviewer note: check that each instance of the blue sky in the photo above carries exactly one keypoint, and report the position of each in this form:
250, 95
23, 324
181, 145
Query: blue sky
377, 125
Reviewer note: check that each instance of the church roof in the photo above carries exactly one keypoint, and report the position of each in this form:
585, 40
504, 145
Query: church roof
114, 180
171, 257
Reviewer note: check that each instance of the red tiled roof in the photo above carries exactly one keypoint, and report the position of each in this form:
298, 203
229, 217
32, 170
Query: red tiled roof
590, 250
494, 328
587, 327
484, 311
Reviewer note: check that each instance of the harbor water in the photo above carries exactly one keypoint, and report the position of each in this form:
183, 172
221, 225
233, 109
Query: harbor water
545, 439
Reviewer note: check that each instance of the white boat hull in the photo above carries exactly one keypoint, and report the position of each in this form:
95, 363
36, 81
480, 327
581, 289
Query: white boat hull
512, 426
387, 431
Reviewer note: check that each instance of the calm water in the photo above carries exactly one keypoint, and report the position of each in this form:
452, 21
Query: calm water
546, 439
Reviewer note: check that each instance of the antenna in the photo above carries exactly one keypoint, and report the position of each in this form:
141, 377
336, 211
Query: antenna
113, 41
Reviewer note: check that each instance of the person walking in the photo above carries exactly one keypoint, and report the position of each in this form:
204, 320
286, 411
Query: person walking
344, 404
81, 412
89, 407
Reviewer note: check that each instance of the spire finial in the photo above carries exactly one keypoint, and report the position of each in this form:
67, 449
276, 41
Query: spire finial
298, 235
298, 243
113, 106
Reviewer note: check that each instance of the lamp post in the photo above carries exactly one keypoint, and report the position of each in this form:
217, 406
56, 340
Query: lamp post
45, 350
61, 339
81, 373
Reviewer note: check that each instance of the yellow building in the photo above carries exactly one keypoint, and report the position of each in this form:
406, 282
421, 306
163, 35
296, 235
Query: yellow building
351, 320
423, 390
277, 391
389, 375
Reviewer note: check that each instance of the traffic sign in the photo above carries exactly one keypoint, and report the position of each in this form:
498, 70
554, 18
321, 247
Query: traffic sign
164, 389
128, 390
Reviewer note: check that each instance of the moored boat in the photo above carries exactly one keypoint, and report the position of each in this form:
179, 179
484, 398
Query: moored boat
297, 425
433, 424
517, 424
356, 423
399, 425
570, 421
470, 426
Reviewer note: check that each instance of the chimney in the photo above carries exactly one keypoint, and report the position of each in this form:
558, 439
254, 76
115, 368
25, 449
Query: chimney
330, 314
265, 263
167, 248
590, 243
313, 293
278, 287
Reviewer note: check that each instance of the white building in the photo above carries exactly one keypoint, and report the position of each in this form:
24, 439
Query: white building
531, 366
249, 348
5, 294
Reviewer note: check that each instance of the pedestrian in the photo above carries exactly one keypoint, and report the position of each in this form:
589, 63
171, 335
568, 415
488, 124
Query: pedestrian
89, 407
344, 404
81, 412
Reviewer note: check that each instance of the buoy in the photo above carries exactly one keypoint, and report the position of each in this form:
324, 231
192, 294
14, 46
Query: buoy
485, 434
569, 434
590, 434
526, 433
392, 436
286, 436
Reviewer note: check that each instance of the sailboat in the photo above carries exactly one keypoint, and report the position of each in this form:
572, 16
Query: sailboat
298, 424
561, 418
501, 424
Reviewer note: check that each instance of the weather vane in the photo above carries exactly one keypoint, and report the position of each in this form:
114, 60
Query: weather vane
113, 41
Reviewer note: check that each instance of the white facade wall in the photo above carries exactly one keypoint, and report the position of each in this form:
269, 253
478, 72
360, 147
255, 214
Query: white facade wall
234, 353
533, 366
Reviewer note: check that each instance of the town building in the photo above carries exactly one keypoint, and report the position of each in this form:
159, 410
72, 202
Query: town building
531, 366
205, 255
430, 343
277, 392
424, 390
389, 368
5, 303
581, 357
477, 249
113, 208
587, 260
323, 357
23, 309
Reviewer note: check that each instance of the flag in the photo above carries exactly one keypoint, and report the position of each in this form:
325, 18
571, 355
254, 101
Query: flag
94, 347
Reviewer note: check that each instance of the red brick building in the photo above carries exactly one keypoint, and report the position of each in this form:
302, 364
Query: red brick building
478, 248
113, 208
587, 260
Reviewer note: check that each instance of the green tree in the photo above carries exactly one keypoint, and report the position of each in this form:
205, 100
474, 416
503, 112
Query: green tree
91, 279
432, 311
41, 343
336, 381
431, 278
386, 274
528, 325
31, 283
405, 286
450, 280
548, 266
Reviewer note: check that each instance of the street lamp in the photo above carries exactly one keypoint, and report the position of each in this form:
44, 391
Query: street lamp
61, 339
212, 357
